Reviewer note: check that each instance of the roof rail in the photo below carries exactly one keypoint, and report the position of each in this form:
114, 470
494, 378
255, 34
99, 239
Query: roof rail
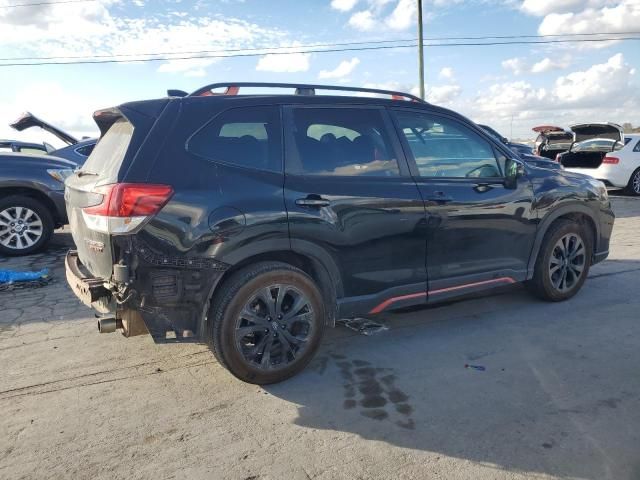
233, 88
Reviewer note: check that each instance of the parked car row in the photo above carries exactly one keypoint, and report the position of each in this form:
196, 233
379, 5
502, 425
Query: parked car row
32, 179
600, 150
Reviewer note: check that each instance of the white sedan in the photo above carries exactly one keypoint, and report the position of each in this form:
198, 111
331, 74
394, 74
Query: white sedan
620, 168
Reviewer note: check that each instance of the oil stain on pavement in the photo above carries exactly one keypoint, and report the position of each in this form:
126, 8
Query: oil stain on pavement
372, 390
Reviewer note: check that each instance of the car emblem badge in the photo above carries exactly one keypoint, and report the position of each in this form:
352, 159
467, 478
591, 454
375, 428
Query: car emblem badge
95, 246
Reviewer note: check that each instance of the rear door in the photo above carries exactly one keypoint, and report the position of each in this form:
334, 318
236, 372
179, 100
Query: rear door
479, 232
83, 191
350, 198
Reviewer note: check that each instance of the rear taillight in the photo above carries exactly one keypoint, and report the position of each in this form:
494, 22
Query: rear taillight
125, 206
611, 160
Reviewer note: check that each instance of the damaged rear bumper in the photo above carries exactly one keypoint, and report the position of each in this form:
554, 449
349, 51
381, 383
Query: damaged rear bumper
90, 290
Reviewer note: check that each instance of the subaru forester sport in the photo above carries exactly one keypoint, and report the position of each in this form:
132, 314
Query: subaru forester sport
252, 222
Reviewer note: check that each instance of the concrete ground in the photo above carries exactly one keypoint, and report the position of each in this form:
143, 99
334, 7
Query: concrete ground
560, 396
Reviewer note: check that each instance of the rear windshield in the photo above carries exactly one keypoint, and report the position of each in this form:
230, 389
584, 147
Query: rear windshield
107, 156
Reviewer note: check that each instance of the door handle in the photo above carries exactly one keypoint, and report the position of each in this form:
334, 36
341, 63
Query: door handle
313, 202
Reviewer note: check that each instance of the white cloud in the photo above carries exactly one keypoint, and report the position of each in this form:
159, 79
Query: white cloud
443, 94
291, 62
363, 21
623, 17
603, 90
391, 14
541, 8
546, 65
85, 29
446, 73
61, 106
343, 5
403, 16
342, 70
515, 65
190, 68
598, 85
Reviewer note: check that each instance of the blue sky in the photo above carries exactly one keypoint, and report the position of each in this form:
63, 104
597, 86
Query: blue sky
512, 87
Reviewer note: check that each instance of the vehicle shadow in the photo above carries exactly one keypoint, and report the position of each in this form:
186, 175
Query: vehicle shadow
550, 395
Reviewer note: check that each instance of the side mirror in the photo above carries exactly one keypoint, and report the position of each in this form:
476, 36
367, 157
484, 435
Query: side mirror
514, 169
505, 140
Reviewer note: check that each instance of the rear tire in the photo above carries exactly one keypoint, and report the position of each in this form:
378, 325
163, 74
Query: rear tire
563, 262
266, 322
26, 225
633, 187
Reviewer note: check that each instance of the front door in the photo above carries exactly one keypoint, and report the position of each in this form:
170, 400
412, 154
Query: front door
352, 202
479, 231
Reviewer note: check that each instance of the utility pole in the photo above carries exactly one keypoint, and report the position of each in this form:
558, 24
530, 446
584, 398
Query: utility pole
420, 50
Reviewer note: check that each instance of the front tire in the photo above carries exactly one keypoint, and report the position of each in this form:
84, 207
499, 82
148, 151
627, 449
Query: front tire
563, 262
266, 322
26, 225
633, 188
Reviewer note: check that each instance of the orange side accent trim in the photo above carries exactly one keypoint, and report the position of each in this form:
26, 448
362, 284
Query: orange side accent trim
384, 305
391, 300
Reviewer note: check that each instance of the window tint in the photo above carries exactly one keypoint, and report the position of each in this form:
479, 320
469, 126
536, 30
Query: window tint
446, 148
637, 147
246, 137
341, 141
110, 151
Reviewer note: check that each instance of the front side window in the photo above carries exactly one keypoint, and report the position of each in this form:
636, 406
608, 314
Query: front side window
340, 142
443, 147
244, 137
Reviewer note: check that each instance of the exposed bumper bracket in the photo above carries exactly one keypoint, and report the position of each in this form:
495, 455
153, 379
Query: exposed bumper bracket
89, 290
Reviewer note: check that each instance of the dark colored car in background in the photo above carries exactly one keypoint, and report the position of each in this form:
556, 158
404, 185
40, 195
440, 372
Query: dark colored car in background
31, 201
525, 152
76, 150
253, 222
519, 148
17, 146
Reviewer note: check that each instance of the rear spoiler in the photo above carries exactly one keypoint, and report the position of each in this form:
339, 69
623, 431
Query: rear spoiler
28, 120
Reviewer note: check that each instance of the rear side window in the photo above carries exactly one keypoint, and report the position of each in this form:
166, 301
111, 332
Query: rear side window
340, 142
245, 137
443, 147
109, 152
637, 147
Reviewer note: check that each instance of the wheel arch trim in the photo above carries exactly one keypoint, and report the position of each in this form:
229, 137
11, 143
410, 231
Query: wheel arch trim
572, 208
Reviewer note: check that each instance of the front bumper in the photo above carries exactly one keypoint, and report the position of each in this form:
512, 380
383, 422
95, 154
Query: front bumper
90, 290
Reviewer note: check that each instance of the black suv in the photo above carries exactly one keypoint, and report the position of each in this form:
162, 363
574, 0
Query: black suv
253, 222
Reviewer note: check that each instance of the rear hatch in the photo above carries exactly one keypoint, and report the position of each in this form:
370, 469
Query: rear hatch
587, 131
29, 120
100, 204
591, 143
551, 141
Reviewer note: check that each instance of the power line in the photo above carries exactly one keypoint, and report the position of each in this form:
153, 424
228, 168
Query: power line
324, 50
267, 50
37, 4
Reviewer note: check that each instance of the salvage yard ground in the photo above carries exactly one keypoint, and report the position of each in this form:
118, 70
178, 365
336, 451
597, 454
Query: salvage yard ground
559, 397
